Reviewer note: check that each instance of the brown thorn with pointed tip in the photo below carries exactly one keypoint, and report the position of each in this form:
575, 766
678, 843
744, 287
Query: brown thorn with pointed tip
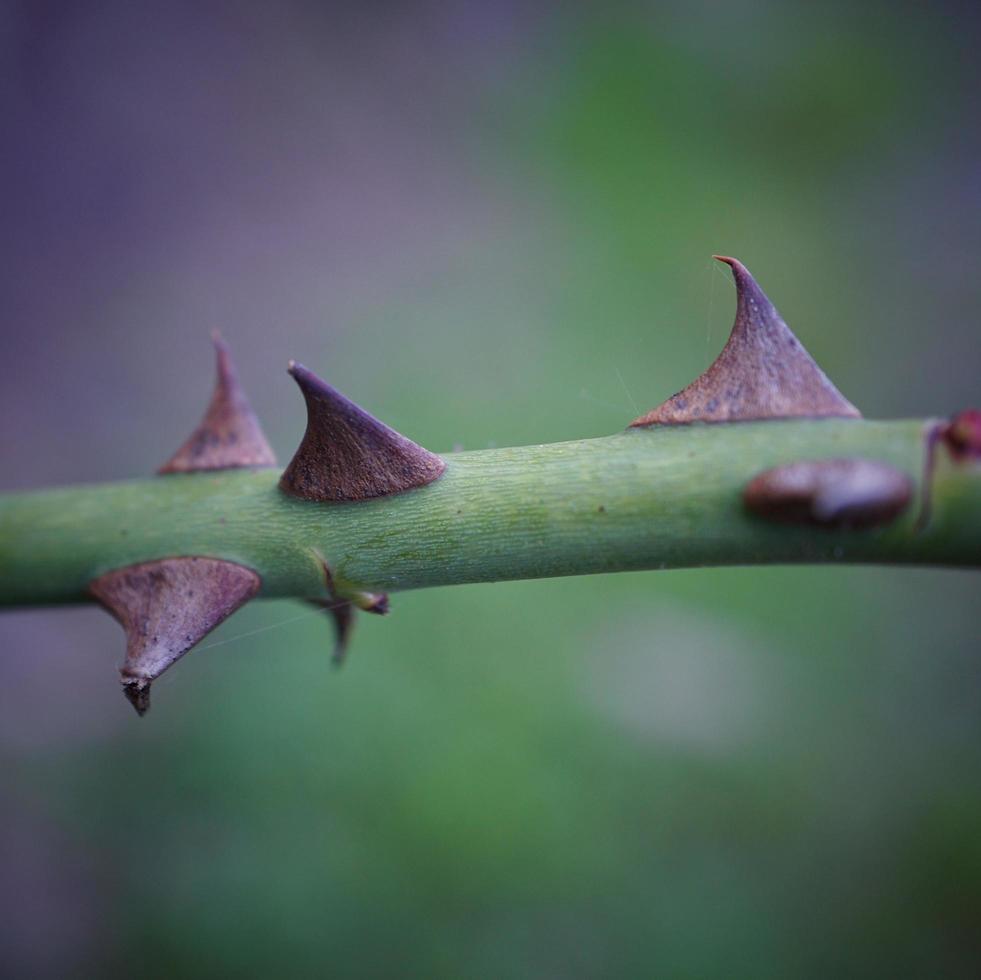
347, 454
763, 372
856, 493
229, 436
165, 607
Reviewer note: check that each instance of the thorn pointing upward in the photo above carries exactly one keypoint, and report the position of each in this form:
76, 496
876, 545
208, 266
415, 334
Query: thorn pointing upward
347, 454
763, 372
229, 436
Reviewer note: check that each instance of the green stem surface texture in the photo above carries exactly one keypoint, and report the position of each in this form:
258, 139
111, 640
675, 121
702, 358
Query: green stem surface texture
663, 497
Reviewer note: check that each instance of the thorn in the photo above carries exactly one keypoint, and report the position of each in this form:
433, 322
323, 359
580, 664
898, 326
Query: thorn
229, 436
343, 614
343, 608
165, 607
347, 454
856, 493
763, 372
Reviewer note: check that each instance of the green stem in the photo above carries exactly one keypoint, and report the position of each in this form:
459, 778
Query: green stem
665, 497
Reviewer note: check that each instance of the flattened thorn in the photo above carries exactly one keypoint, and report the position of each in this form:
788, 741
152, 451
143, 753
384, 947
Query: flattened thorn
856, 493
166, 607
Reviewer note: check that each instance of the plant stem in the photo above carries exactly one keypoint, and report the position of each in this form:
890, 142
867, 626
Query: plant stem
664, 497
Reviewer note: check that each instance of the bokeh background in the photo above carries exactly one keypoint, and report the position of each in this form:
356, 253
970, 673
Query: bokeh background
489, 223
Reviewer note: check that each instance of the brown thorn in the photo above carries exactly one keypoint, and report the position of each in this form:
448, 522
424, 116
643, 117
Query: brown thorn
347, 454
165, 607
763, 372
229, 436
855, 493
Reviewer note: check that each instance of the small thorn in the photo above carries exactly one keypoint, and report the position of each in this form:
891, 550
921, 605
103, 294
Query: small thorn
347, 454
856, 493
343, 614
165, 607
763, 372
229, 436
343, 609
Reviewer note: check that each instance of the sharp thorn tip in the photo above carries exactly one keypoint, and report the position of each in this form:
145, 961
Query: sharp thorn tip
138, 694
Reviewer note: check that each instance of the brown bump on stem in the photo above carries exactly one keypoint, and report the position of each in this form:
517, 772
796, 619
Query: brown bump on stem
963, 435
854, 493
763, 372
165, 607
347, 454
229, 436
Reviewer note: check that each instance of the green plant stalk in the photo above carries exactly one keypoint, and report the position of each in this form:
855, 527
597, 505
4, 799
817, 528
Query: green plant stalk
664, 497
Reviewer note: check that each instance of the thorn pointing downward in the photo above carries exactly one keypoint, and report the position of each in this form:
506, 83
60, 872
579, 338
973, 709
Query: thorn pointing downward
229, 436
347, 454
165, 607
342, 613
763, 372
343, 610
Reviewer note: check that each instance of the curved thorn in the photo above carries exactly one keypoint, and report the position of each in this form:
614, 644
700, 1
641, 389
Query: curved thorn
348, 454
763, 372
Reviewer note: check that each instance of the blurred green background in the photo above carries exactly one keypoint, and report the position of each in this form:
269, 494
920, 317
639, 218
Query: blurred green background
491, 224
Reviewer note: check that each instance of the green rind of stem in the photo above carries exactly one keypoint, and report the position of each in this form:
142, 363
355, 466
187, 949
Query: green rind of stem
664, 497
